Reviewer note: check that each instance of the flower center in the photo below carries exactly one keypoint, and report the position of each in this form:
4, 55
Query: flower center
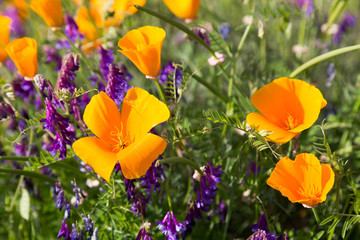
290, 122
123, 140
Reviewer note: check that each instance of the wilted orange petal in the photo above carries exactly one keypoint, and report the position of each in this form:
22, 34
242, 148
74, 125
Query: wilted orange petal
96, 153
327, 180
137, 158
284, 178
142, 111
278, 135
103, 117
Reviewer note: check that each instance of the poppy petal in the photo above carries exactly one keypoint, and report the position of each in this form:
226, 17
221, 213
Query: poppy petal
96, 153
327, 179
278, 135
137, 158
102, 116
142, 111
284, 179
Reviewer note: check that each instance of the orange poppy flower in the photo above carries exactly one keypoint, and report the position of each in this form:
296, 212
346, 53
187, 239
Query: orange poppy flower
287, 106
123, 7
22, 7
23, 52
304, 180
85, 24
122, 137
50, 11
143, 47
5, 24
185, 9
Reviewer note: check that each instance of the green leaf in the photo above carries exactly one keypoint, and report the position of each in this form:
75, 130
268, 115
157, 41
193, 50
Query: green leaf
25, 204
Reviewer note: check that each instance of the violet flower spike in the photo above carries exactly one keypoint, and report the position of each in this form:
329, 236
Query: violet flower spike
71, 31
170, 227
52, 56
64, 231
106, 58
143, 235
261, 231
117, 84
348, 21
151, 180
67, 73
135, 196
74, 233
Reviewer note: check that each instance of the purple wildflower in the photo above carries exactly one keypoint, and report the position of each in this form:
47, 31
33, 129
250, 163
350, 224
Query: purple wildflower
17, 26
72, 31
261, 231
67, 73
150, 181
306, 5
170, 227
201, 32
224, 30
135, 196
64, 231
6, 110
23, 89
348, 21
78, 193
117, 84
252, 168
67, 210
59, 125
89, 225
52, 56
106, 58
143, 235
169, 70
205, 196
59, 196
45, 88
74, 233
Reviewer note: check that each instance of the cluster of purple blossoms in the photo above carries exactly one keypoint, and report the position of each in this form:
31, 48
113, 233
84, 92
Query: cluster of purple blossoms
6, 110
143, 235
117, 84
59, 126
78, 194
135, 196
71, 31
151, 180
106, 58
348, 21
261, 231
52, 56
170, 227
67, 73
201, 32
168, 72
205, 196
306, 5
224, 30
23, 89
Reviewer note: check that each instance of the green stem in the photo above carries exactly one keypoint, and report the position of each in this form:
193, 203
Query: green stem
11, 158
335, 13
161, 90
28, 174
228, 215
168, 187
17, 192
316, 215
210, 87
323, 57
182, 161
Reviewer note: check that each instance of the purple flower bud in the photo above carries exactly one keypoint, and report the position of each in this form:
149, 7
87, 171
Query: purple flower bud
89, 224
67, 210
74, 234
64, 231
60, 200
6, 110
72, 31
117, 84
143, 235
77, 192
261, 231
348, 21
201, 32
170, 227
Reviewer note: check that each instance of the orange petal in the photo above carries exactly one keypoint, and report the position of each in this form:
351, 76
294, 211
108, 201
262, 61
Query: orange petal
5, 25
96, 153
49, 11
327, 180
185, 9
137, 158
278, 135
286, 97
102, 116
284, 178
142, 111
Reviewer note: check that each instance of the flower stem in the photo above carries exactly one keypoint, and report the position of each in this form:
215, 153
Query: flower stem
316, 215
161, 90
323, 57
181, 160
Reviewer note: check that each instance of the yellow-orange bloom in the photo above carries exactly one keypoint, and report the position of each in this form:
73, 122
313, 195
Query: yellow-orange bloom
122, 137
85, 24
123, 7
5, 24
185, 9
50, 11
287, 106
304, 180
22, 8
23, 52
143, 47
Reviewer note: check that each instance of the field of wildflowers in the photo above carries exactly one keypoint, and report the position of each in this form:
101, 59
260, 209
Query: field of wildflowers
179, 119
